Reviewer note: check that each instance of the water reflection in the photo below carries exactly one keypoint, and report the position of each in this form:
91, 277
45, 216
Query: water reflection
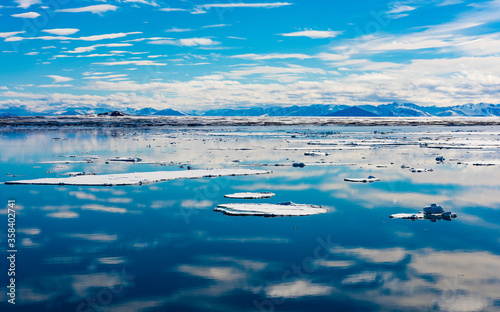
161, 248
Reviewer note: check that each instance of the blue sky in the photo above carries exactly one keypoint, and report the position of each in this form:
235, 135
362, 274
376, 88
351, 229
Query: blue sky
196, 55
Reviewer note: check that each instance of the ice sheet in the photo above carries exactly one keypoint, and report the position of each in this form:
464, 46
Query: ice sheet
250, 195
270, 210
138, 177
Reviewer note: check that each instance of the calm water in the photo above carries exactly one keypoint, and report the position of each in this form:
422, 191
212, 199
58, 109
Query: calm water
161, 247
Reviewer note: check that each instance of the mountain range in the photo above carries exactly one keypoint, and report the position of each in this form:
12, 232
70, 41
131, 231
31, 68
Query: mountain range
385, 110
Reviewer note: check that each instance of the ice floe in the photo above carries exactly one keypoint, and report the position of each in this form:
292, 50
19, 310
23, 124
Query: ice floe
138, 177
316, 154
72, 174
420, 170
270, 210
370, 179
250, 195
434, 212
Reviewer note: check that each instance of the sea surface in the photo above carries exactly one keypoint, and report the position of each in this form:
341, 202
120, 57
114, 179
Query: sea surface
161, 246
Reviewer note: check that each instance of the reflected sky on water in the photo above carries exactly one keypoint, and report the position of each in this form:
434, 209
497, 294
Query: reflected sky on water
161, 247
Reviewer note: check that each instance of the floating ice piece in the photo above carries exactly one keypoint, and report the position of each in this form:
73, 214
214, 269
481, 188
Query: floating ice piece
79, 173
138, 177
412, 216
316, 154
126, 159
250, 195
369, 179
434, 212
419, 170
270, 210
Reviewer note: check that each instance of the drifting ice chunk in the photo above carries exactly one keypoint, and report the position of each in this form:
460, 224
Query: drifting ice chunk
250, 195
73, 174
419, 170
316, 154
412, 216
270, 210
138, 177
434, 212
126, 159
369, 179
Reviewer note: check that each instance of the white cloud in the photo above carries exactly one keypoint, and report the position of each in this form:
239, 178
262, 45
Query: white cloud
173, 10
55, 86
85, 38
93, 47
96, 9
215, 26
32, 53
61, 31
252, 56
27, 3
105, 76
330, 56
152, 3
138, 63
314, 34
175, 29
26, 15
187, 42
202, 8
400, 9
10, 34
58, 78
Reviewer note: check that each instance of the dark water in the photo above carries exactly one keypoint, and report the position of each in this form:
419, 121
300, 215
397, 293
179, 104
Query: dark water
161, 247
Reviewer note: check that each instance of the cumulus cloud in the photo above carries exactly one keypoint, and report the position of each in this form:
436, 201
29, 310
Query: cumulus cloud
95, 9
175, 29
58, 78
84, 38
203, 8
27, 3
152, 3
26, 15
93, 47
252, 56
314, 34
138, 63
10, 34
173, 10
61, 31
187, 42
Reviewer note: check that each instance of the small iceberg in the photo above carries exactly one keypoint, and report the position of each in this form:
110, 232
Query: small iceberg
285, 209
370, 179
126, 159
420, 170
434, 212
74, 174
316, 154
250, 195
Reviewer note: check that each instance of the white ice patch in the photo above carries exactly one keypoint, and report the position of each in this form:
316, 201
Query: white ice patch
138, 177
370, 179
250, 195
270, 210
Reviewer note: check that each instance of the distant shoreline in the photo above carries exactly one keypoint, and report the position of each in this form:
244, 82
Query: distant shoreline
200, 121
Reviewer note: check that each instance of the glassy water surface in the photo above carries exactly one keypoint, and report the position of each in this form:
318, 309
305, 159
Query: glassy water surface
161, 247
